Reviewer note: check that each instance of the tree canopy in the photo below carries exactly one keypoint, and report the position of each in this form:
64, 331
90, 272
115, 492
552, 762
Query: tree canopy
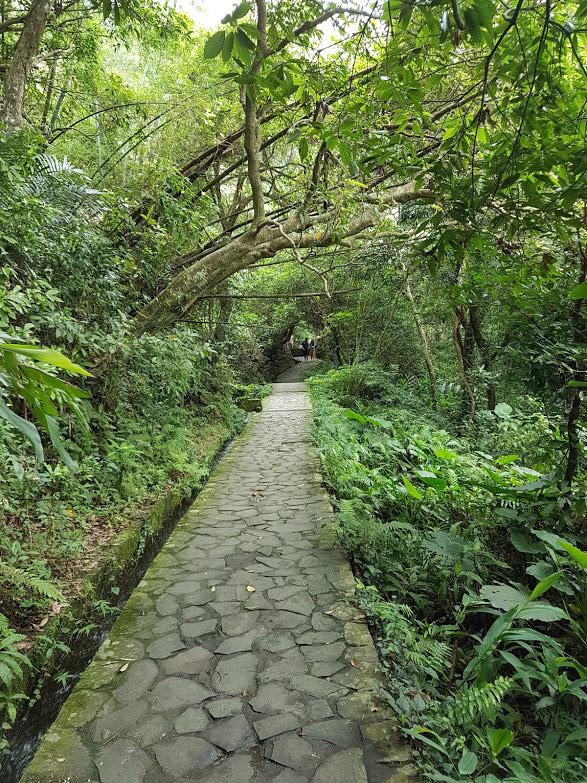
403, 181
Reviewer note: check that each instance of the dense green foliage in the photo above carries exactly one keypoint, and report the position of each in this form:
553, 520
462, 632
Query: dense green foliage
403, 181
470, 572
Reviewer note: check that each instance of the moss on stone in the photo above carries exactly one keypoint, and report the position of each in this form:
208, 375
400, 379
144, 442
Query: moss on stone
61, 758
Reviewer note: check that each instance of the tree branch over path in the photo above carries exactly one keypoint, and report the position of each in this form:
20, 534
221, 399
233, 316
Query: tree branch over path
305, 295
200, 274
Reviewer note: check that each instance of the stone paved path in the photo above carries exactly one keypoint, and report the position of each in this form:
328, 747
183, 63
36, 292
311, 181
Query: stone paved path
239, 657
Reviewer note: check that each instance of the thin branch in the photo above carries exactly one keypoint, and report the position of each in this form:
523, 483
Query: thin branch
307, 295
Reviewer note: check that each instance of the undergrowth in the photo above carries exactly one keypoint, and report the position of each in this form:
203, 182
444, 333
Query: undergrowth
472, 568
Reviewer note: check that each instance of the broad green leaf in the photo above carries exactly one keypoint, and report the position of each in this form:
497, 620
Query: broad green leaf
543, 612
55, 436
499, 739
544, 585
579, 292
503, 596
241, 10
379, 422
26, 427
214, 44
43, 378
354, 416
507, 459
445, 454
468, 763
47, 355
577, 554
227, 46
243, 39
432, 480
411, 488
303, 148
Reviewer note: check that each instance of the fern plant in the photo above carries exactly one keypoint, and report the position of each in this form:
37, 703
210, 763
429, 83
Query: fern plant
25, 580
471, 706
12, 666
403, 638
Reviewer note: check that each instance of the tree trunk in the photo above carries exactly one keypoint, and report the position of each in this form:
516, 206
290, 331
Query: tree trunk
579, 375
424, 344
573, 437
486, 358
463, 355
337, 347
224, 311
48, 98
26, 50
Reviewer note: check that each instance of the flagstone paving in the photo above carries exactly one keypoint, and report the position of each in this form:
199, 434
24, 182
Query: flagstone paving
240, 656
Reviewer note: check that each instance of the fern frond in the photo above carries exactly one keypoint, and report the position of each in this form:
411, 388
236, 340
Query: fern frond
468, 706
21, 578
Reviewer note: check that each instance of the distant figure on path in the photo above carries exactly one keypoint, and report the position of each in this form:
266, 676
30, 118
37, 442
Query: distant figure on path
312, 349
306, 348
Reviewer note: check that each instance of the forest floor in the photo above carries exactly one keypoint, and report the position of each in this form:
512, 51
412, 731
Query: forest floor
240, 656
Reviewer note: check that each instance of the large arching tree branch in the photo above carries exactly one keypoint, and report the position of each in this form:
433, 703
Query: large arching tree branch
200, 274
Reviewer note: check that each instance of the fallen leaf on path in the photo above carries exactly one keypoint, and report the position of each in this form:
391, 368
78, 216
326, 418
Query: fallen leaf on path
251, 589
123, 668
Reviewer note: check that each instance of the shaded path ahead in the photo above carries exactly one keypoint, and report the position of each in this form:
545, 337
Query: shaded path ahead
239, 657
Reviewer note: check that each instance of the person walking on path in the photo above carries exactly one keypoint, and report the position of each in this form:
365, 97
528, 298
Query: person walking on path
306, 348
312, 349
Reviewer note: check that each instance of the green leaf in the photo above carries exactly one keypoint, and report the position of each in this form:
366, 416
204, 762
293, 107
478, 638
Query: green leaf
55, 436
244, 39
214, 44
303, 148
473, 24
503, 410
577, 554
26, 427
249, 29
524, 543
485, 11
507, 459
543, 612
228, 46
44, 379
390, 8
468, 763
503, 596
344, 152
579, 292
445, 454
47, 355
354, 416
578, 384
544, 585
411, 488
432, 480
499, 739
241, 10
